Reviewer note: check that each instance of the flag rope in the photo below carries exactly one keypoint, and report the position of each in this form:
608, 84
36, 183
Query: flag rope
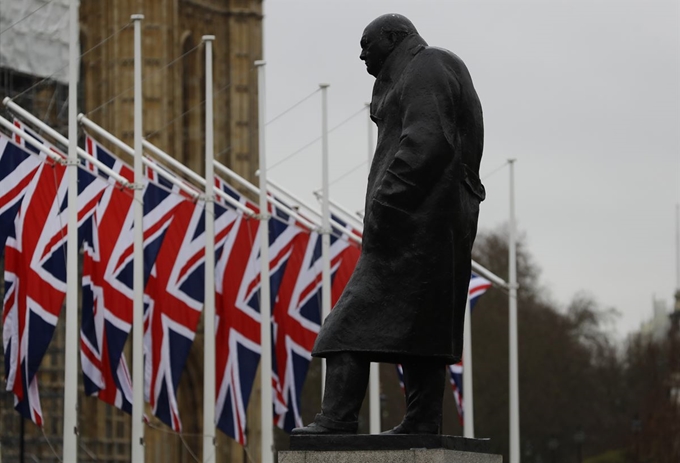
149, 75
26, 17
286, 158
351, 171
56, 455
181, 438
66, 65
174, 119
197, 106
87, 450
294, 106
193, 108
497, 169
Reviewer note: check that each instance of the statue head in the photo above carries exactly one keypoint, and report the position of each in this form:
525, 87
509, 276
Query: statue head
381, 37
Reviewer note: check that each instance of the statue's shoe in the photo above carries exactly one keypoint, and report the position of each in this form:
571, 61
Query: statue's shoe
407, 428
325, 425
315, 429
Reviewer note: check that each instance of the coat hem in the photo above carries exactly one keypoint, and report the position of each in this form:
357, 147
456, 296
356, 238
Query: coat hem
389, 357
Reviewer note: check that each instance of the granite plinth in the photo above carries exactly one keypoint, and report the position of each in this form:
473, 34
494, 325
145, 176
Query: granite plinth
387, 456
387, 449
387, 442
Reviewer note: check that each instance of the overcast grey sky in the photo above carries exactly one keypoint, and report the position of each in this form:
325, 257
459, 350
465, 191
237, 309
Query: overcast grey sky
584, 94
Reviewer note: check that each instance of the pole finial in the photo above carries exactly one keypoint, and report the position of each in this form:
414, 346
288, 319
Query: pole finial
137, 17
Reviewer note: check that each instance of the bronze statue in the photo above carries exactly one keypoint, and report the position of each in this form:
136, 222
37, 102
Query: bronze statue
405, 302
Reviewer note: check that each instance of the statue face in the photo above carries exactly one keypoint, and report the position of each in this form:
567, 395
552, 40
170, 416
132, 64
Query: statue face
375, 48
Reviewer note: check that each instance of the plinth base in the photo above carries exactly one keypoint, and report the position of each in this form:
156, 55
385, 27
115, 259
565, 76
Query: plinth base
387, 449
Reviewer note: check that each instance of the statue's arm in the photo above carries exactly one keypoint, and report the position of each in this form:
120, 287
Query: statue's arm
427, 122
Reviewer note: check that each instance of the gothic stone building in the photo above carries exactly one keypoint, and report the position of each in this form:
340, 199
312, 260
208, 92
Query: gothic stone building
174, 113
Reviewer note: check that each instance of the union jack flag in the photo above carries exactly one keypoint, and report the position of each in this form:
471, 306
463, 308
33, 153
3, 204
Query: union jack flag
175, 295
173, 303
237, 282
478, 286
400, 375
297, 312
106, 307
35, 275
348, 252
108, 279
456, 380
19, 161
17, 167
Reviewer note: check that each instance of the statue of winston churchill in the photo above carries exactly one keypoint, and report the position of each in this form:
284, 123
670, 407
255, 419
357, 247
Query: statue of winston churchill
405, 302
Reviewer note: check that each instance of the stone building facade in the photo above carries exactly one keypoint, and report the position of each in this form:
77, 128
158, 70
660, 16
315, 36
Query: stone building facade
174, 120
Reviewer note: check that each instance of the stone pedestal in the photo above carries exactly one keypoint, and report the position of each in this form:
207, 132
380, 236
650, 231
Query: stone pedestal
387, 449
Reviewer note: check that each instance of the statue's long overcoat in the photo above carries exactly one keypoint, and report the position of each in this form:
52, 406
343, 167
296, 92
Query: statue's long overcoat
407, 294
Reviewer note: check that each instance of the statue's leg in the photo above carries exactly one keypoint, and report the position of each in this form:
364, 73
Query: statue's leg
424, 385
346, 382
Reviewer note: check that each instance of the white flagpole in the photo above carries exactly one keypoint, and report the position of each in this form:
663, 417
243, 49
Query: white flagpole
311, 210
348, 215
137, 445
374, 382
209, 304
272, 199
266, 406
325, 223
70, 428
468, 404
38, 145
514, 376
492, 277
164, 171
28, 117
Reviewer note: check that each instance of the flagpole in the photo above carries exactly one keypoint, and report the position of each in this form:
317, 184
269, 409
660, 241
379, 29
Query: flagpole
325, 223
162, 171
271, 199
70, 427
468, 404
28, 117
374, 378
299, 202
137, 444
514, 376
209, 297
348, 215
492, 277
266, 405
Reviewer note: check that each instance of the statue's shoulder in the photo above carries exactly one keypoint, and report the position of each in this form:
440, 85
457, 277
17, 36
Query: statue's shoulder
442, 62
441, 55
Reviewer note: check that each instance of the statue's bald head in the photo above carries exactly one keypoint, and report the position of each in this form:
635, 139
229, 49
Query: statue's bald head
382, 36
392, 22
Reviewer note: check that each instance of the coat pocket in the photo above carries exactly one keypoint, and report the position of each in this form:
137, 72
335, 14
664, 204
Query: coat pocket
473, 183
398, 193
